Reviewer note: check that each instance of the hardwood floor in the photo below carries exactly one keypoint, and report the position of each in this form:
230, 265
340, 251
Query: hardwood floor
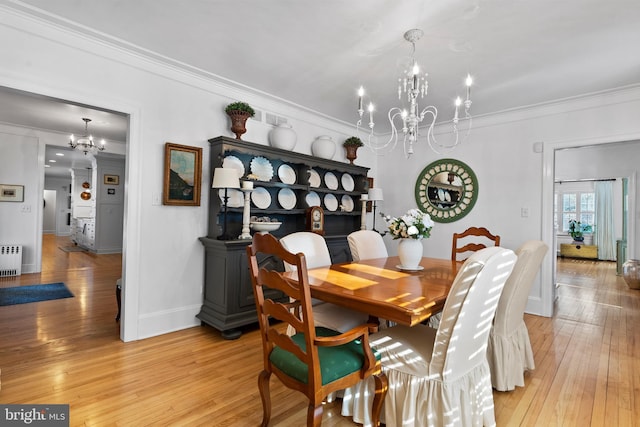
68, 351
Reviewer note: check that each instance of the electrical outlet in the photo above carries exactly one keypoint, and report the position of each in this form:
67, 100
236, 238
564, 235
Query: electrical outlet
524, 212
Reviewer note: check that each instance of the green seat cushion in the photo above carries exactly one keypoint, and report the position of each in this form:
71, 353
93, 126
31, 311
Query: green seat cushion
335, 362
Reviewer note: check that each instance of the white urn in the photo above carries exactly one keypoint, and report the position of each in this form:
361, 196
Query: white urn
283, 136
324, 147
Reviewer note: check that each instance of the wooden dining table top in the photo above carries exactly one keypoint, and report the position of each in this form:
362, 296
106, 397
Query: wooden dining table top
381, 289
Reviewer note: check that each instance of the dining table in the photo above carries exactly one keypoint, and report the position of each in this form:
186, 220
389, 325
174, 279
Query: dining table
383, 289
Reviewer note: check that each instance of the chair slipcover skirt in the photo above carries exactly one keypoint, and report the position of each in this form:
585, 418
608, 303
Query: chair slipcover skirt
511, 356
413, 397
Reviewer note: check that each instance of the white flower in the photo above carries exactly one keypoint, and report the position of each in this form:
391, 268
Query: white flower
412, 230
427, 221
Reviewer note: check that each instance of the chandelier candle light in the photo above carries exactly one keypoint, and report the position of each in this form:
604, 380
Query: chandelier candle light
85, 142
414, 85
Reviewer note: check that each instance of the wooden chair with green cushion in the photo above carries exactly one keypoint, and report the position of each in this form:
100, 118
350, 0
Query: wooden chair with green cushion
315, 361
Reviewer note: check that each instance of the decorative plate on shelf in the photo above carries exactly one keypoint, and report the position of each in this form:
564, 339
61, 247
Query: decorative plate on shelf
236, 197
312, 199
287, 198
262, 168
347, 182
232, 162
314, 178
331, 181
347, 203
330, 202
261, 198
286, 174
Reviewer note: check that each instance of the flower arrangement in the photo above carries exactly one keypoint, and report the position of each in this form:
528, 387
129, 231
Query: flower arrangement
415, 224
577, 229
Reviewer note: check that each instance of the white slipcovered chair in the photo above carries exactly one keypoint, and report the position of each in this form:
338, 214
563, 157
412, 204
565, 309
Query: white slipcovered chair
366, 244
316, 252
441, 377
509, 351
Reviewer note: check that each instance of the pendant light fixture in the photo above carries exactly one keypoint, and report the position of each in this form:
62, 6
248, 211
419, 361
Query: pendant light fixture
85, 142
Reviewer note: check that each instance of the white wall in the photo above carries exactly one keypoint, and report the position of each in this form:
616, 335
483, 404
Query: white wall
163, 259
21, 222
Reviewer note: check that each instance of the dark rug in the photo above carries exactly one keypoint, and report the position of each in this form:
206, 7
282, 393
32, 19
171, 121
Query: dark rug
33, 293
72, 248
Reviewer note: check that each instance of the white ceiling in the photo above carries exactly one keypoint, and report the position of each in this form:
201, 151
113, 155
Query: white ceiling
317, 53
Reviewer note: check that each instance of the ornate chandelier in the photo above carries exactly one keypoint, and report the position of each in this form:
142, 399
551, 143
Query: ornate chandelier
85, 142
414, 85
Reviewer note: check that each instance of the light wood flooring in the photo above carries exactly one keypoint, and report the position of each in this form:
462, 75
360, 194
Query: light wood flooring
69, 351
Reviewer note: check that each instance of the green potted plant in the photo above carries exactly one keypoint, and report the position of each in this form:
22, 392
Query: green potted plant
239, 112
577, 230
351, 145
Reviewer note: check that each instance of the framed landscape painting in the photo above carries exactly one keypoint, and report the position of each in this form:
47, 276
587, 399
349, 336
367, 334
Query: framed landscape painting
182, 175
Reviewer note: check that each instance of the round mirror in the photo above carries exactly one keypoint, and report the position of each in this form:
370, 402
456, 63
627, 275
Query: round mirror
446, 189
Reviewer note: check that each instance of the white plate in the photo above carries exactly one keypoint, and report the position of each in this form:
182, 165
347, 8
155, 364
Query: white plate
312, 199
441, 194
261, 198
287, 198
286, 174
236, 197
347, 182
232, 162
330, 202
262, 168
331, 181
347, 203
314, 178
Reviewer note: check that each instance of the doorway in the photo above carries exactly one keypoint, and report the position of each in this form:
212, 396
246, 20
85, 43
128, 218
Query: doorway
595, 160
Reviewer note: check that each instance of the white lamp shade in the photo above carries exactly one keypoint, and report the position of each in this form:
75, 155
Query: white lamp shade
225, 178
375, 194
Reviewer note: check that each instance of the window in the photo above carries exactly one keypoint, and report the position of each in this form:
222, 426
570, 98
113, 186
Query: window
579, 206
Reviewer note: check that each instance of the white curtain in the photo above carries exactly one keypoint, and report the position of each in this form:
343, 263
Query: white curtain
604, 231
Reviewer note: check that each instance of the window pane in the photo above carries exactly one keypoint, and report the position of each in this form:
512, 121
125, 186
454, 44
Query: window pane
568, 202
565, 220
587, 219
588, 202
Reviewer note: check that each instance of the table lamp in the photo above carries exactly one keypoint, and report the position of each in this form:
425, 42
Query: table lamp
225, 178
375, 194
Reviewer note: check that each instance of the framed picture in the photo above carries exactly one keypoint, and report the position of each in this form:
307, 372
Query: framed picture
11, 193
182, 175
112, 179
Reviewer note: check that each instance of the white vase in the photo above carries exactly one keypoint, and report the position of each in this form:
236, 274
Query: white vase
410, 253
323, 147
283, 136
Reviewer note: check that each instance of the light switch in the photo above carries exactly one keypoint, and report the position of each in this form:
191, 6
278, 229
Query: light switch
156, 199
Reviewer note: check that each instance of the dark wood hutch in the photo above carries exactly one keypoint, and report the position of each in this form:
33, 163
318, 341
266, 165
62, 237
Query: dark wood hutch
228, 295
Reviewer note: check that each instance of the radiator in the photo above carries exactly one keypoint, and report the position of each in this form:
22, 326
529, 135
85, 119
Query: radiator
10, 260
